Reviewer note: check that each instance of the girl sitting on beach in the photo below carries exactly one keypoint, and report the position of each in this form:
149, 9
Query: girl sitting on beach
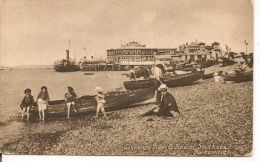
43, 100
101, 102
27, 102
70, 100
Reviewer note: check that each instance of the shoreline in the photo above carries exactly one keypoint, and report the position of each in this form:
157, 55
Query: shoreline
212, 113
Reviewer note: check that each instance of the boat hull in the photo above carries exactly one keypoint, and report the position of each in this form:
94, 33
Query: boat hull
170, 81
68, 68
239, 77
88, 104
183, 80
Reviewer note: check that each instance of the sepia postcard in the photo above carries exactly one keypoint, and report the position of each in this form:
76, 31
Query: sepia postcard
120, 77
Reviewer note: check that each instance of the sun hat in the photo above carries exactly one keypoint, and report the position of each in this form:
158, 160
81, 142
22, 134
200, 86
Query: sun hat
98, 89
44, 87
162, 87
69, 87
27, 90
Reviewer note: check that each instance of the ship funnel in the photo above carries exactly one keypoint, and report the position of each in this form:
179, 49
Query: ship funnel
68, 54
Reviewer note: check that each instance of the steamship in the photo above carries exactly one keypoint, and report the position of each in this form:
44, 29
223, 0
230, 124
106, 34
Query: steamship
66, 65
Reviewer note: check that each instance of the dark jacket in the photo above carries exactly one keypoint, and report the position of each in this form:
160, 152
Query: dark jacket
168, 104
27, 101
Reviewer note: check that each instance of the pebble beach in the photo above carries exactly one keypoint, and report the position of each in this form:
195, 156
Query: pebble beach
215, 120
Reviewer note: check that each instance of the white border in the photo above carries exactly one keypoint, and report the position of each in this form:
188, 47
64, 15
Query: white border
254, 158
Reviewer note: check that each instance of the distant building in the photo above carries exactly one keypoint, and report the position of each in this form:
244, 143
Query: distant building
134, 53
199, 50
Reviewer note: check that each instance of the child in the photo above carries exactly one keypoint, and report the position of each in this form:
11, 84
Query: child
27, 102
70, 99
43, 100
101, 102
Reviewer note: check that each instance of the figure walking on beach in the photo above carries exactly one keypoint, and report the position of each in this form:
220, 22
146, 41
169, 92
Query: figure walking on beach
100, 102
158, 73
168, 105
70, 100
132, 74
27, 102
43, 100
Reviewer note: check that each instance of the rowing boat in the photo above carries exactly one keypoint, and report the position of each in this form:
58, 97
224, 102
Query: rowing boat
170, 81
239, 77
183, 79
87, 104
89, 73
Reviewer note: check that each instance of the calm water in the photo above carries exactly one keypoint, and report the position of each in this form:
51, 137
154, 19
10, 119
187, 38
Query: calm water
13, 82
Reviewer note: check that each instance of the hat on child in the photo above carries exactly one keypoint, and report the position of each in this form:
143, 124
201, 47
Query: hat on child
69, 87
162, 87
98, 89
27, 90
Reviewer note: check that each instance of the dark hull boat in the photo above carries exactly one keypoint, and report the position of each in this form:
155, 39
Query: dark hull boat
207, 76
183, 79
239, 77
207, 64
87, 104
66, 68
89, 73
66, 65
170, 81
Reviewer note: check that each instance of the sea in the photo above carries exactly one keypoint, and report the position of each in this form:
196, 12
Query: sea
13, 82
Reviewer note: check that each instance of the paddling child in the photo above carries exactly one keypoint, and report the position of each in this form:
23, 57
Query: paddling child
70, 100
27, 103
100, 98
43, 100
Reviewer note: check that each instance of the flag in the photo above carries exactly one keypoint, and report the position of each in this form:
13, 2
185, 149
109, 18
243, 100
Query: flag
246, 42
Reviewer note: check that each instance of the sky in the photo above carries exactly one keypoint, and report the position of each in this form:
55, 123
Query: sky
37, 32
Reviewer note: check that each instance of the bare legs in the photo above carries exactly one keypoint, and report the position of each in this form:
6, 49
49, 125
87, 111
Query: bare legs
41, 115
26, 113
101, 107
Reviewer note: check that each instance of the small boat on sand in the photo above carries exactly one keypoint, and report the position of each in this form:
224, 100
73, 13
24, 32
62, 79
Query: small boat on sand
207, 76
89, 73
170, 81
239, 76
87, 104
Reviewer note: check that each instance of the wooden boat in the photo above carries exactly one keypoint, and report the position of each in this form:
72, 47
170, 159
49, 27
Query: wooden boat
206, 64
87, 104
145, 83
183, 79
239, 77
207, 76
89, 73
170, 81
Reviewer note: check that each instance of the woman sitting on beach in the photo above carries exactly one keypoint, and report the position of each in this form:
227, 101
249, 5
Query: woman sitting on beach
27, 102
43, 100
100, 102
70, 100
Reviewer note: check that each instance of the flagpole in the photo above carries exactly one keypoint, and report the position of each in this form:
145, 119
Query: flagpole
246, 46
69, 45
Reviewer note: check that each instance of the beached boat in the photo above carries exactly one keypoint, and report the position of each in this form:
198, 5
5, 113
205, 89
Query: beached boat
89, 73
170, 81
207, 64
87, 104
207, 76
239, 77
